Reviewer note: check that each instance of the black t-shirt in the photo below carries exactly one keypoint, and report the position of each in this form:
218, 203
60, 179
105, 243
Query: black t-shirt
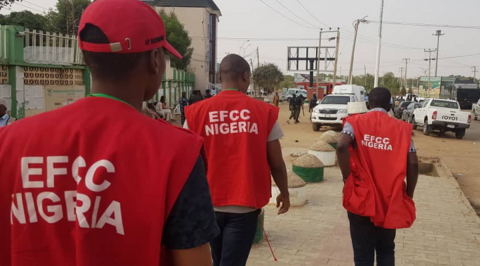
192, 222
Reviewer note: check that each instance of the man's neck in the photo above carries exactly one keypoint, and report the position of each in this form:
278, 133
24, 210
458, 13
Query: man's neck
124, 90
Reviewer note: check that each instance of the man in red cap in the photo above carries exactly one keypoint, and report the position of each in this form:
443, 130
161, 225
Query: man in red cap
85, 184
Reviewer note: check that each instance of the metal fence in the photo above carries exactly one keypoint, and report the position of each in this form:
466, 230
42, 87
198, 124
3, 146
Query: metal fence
51, 48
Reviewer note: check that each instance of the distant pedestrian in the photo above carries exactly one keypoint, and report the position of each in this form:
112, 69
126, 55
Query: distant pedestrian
5, 119
163, 110
183, 103
196, 96
276, 99
313, 102
291, 106
208, 94
374, 161
298, 107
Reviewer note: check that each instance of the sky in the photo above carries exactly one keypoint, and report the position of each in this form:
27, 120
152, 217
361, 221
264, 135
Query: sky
272, 33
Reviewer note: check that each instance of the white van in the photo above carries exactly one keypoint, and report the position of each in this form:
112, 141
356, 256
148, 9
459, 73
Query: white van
293, 91
356, 90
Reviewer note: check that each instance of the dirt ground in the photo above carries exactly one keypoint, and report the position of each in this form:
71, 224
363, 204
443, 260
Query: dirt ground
461, 156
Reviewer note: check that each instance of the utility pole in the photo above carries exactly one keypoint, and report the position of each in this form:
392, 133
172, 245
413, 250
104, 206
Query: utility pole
406, 67
356, 23
318, 62
474, 70
438, 34
253, 82
379, 46
365, 69
336, 59
429, 51
401, 77
258, 58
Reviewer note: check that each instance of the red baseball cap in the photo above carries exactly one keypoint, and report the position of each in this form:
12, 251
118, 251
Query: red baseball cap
131, 26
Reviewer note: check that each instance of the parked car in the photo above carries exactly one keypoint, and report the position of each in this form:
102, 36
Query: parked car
407, 115
297, 92
442, 115
331, 110
398, 111
476, 110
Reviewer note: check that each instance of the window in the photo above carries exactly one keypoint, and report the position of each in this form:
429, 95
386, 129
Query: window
336, 100
405, 104
411, 106
444, 104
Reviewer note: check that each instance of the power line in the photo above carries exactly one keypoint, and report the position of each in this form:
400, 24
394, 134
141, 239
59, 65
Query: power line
35, 5
31, 8
284, 15
312, 14
296, 14
428, 25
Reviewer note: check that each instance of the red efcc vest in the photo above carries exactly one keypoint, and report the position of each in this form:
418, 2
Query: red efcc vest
376, 186
235, 128
90, 184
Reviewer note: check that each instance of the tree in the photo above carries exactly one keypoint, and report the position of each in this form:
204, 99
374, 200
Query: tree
288, 82
178, 37
410, 90
268, 76
66, 17
403, 91
26, 19
391, 82
5, 3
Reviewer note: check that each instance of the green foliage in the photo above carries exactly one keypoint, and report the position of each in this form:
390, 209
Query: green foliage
391, 82
25, 19
410, 90
66, 17
178, 37
268, 76
288, 82
403, 91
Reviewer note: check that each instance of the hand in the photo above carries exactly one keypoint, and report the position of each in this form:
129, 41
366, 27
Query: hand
284, 201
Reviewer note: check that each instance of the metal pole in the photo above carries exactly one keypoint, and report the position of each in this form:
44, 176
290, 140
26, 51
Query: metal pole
350, 79
438, 34
336, 59
365, 68
406, 68
318, 62
379, 46
258, 58
401, 78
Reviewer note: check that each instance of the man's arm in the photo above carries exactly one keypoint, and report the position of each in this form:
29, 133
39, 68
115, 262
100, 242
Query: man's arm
343, 154
412, 173
191, 224
200, 256
279, 174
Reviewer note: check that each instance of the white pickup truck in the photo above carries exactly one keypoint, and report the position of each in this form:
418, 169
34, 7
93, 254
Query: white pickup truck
442, 115
331, 110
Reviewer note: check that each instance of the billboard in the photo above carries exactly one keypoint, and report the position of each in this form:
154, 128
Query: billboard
301, 78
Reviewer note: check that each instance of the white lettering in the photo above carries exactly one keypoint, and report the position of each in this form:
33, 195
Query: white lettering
242, 127
213, 116
55, 209
115, 210
254, 128
234, 115
386, 141
70, 202
245, 114
91, 172
32, 213
95, 210
233, 128
223, 115
27, 172
209, 130
378, 143
224, 129
19, 212
79, 162
81, 210
52, 171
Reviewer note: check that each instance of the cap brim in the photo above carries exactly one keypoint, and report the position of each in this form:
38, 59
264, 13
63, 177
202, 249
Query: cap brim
172, 50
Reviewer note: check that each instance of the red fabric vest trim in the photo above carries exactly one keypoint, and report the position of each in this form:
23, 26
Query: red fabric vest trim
130, 170
235, 128
376, 186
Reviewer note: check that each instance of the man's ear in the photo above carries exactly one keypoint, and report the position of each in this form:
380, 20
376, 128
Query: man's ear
153, 62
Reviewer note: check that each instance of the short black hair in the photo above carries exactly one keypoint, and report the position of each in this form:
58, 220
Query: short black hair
380, 97
108, 65
233, 67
